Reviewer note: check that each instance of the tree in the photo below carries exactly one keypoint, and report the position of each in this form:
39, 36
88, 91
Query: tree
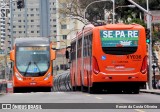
138, 21
72, 9
96, 11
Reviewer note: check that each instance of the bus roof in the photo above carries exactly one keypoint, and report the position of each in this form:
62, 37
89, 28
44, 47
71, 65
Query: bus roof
35, 41
87, 28
119, 26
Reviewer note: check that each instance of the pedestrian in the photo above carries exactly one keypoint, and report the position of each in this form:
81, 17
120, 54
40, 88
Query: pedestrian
158, 84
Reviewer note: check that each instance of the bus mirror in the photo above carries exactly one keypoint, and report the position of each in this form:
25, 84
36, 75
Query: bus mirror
53, 54
67, 54
12, 57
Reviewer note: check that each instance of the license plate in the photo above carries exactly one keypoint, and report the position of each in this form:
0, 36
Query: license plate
33, 83
119, 67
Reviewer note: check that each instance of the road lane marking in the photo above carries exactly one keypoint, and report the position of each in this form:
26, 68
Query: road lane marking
99, 98
138, 110
59, 92
88, 95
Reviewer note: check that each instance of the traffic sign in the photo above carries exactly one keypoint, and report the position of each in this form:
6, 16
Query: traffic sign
155, 16
145, 18
4, 12
4, 9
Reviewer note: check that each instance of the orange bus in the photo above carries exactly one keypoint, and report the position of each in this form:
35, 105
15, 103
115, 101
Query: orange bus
32, 64
110, 57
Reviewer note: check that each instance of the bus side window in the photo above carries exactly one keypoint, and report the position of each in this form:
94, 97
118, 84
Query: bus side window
85, 49
73, 54
79, 47
90, 45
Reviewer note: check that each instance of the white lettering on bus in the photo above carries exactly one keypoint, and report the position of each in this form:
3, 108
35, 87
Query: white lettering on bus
135, 34
110, 34
105, 35
130, 34
122, 34
118, 33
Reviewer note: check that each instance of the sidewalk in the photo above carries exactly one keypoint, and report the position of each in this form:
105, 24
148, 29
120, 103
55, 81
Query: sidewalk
152, 91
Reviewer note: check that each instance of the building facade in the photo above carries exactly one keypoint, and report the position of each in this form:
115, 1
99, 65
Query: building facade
31, 20
67, 27
4, 27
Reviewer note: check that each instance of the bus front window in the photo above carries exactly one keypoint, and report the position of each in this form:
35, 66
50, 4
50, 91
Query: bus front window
32, 61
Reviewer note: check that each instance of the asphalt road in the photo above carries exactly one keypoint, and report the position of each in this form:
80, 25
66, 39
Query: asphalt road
120, 100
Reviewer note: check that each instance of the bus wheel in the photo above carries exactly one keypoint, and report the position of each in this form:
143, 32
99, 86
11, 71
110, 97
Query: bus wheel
48, 89
91, 90
15, 90
73, 88
136, 91
83, 88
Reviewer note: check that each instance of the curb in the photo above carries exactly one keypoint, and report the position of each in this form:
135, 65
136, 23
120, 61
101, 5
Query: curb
151, 92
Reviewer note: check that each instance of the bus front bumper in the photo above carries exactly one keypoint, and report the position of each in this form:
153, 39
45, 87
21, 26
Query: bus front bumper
33, 84
133, 77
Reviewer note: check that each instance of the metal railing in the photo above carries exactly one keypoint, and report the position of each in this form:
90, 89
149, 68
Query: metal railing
62, 82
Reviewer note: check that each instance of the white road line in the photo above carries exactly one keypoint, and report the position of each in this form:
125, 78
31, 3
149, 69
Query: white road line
138, 110
18, 93
99, 98
59, 92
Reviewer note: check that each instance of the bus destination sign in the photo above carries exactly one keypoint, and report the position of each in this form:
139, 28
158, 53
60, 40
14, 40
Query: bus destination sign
119, 38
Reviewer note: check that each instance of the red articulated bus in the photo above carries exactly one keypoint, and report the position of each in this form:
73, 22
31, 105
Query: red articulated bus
32, 64
111, 57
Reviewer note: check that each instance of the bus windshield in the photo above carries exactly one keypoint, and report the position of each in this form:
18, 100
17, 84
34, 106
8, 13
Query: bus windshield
32, 61
119, 42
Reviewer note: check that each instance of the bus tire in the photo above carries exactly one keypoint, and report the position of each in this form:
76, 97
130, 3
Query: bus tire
15, 90
91, 90
82, 88
48, 89
73, 88
136, 91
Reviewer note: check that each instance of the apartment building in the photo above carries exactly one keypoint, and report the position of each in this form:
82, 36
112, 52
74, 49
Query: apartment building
27, 22
67, 28
31, 20
4, 27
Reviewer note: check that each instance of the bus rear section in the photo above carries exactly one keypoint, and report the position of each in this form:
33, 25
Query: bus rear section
119, 59
32, 70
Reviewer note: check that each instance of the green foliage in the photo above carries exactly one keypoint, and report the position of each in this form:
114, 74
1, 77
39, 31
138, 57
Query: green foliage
96, 10
138, 21
156, 36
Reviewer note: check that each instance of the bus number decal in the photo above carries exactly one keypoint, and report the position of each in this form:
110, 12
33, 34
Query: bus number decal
26, 78
134, 57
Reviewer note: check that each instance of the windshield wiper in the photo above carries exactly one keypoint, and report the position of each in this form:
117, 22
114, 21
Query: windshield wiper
38, 68
27, 68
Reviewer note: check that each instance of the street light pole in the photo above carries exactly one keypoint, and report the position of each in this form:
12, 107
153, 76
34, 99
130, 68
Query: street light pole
150, 45
131, 6
11, 23
11, 33
25, 18
84, 15
113, 11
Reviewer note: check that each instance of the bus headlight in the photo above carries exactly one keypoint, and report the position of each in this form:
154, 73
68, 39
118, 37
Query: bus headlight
46, 78
18, 77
